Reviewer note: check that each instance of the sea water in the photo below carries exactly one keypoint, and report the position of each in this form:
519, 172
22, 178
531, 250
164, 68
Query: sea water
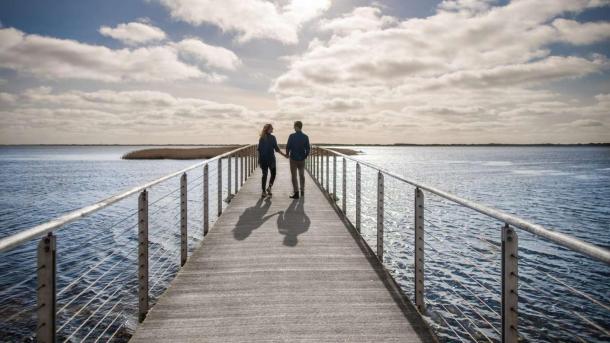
566, 189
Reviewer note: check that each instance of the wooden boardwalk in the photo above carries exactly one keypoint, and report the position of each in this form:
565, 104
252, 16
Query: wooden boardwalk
282, 270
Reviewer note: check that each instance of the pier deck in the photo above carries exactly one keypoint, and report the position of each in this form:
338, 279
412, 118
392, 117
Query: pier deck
282, 270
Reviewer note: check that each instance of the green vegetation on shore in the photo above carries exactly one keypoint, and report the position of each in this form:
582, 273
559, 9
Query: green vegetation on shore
194, 153
178, 153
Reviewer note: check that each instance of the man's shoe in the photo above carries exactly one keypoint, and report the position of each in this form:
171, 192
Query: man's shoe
269, 191
264, 194
302, 193
295, 195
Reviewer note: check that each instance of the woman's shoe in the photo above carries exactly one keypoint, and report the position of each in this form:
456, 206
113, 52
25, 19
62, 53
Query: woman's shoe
269, 191
264, 194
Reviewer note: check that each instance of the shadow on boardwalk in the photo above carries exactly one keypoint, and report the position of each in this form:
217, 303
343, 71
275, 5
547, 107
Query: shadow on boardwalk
252, 218
293, 221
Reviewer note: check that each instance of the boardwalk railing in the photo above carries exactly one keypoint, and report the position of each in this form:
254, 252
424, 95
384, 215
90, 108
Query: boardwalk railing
75, 311
473, 278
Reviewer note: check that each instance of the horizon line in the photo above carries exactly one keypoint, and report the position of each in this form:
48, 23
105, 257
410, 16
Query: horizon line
325, 144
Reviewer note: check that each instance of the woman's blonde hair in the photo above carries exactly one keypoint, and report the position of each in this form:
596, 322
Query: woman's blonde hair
265, 131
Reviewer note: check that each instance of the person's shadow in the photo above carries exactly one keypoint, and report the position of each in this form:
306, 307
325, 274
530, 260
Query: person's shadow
252, 218
292, 222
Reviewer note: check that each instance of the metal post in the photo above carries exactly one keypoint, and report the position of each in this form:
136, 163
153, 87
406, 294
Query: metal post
219, 189
327, 172
510, 279
380, 198
344, 188
315, 163
229, 179
45, 332
242, 174
206, 204
183, 221
318, 165
334, 178
143, 255
419, 250
322, 169
358, 197
236, 175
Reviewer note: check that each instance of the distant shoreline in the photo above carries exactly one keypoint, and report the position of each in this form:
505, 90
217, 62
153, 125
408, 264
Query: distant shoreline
193, 153
178, 153
343, 144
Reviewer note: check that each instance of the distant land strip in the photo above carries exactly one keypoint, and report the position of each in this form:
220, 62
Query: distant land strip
194, 153
339, 144
473, 144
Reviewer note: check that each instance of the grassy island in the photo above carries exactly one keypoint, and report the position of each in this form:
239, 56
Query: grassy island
194, 153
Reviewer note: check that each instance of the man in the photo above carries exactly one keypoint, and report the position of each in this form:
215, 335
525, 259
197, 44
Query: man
297, 149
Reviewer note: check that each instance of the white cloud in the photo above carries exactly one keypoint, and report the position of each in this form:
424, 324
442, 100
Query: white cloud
212, 56
7, 98
55, 58
134, 33
251, 19
473, 67
362, 19
576, 33
132, 116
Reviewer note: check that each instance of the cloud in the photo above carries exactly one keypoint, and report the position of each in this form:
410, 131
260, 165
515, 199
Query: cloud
212, 56
362, 19
576, 33
134, 33
473, 66
250, 19
54, 58
131, 115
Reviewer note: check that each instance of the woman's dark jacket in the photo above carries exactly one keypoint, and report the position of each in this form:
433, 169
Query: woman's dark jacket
266, 147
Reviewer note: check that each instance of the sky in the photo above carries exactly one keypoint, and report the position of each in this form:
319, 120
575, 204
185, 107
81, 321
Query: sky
384, 72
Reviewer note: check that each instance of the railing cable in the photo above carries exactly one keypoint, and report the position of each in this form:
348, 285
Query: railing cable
463, 286
460, 324
108, 327
89, 302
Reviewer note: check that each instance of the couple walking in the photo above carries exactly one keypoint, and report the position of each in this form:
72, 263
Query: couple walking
297, 150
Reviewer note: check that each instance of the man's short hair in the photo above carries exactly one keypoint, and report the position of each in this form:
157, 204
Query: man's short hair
298, 124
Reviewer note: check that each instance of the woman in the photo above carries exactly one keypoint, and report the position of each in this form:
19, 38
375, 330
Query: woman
267, 145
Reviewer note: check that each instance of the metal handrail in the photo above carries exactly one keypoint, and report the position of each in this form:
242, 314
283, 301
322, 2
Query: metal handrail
562, 239
9, 242
318, 165
46, 290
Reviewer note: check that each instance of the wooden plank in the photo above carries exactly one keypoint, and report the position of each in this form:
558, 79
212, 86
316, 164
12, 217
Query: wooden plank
282, 270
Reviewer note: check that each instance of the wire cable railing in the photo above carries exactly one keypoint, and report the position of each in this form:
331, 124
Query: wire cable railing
98, 299
469, 286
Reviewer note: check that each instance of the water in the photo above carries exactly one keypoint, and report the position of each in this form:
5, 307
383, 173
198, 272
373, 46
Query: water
564, 188
41, 183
